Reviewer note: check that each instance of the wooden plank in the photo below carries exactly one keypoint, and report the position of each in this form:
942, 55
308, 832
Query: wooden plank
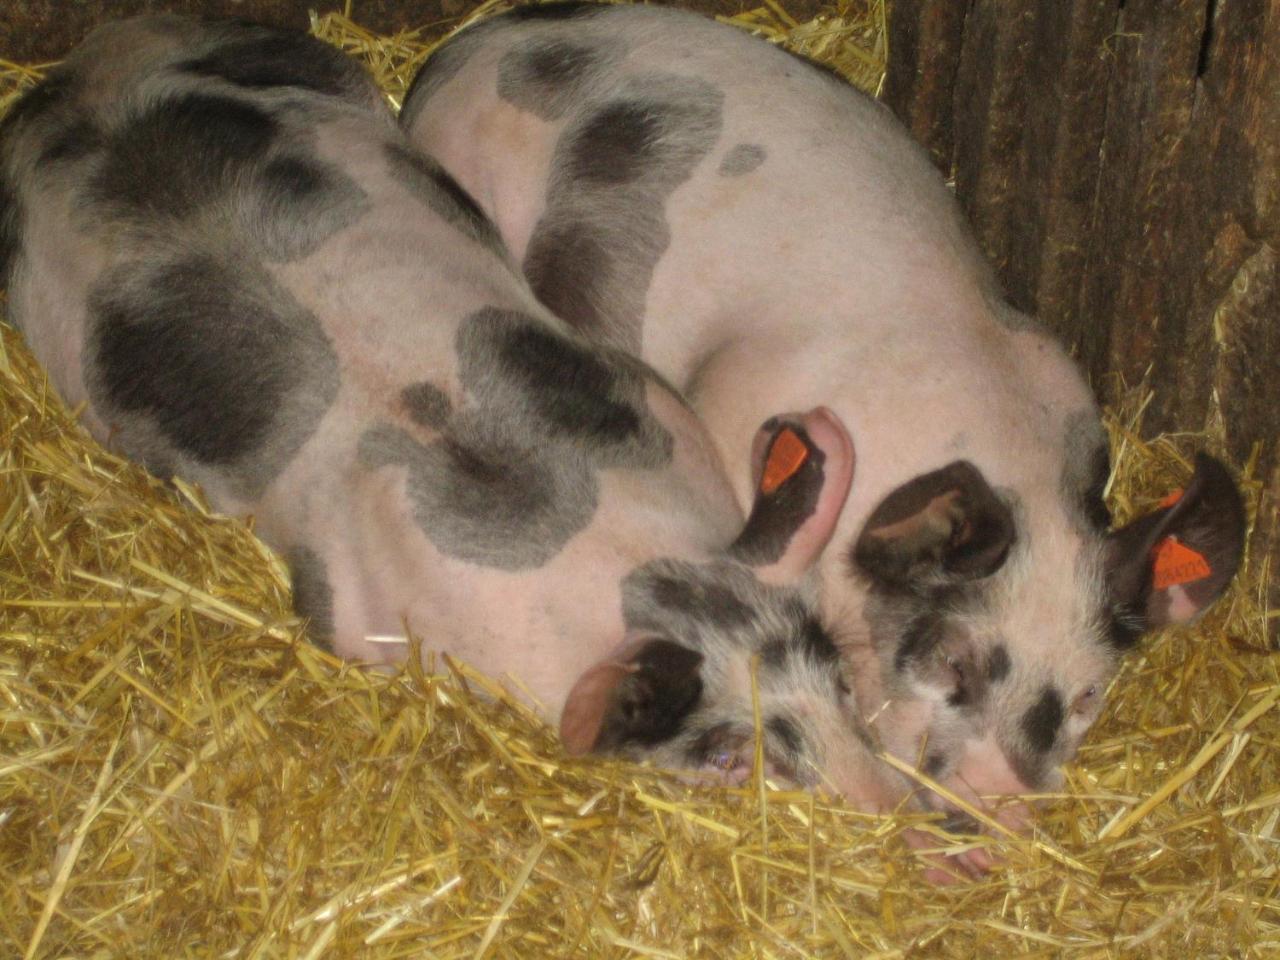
924, 55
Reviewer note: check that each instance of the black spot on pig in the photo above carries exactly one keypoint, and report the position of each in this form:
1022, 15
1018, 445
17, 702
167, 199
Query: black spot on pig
690, 600
312, 594
712, 602
616, 145
570, 387
514, 476
570, 269
73, 140
1086, 468
588, 398
701, 602
216, 363
787, 732
934, 764
812, 643
818, 642
742, 159
998, 663
481, 498
775, 654
1125, 627
298, 204
443, 196
270, 58
592, 255
962, 694
921, 636
1041, 722
525, 65
179, 155
426, 404
546, 77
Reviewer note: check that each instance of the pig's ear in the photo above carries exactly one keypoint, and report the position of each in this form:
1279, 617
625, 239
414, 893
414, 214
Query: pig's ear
803, 467
942, 527
640, 695
1170, 565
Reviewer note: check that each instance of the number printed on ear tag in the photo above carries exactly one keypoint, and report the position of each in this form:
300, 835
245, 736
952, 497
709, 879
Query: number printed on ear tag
1176, 563
786, 456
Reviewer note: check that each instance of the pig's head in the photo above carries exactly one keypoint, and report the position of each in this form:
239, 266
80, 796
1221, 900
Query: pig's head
997, 624
679, 690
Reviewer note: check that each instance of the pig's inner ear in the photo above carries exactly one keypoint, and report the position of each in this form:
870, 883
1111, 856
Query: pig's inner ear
941, 527
1170, 565
640, 696
803, 467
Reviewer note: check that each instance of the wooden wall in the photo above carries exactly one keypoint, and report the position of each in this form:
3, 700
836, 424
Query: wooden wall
1120, 162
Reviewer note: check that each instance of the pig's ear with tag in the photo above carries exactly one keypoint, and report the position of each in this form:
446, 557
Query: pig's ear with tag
943, 527
803, 467
639, 695
1170, 565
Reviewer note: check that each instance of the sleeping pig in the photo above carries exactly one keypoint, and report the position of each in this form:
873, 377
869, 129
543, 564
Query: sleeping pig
217, 239
768, 238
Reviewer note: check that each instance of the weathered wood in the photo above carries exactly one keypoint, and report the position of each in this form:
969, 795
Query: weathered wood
924, 48
1120, 163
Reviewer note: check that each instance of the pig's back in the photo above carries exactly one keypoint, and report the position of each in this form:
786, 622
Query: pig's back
223, 262
739, 216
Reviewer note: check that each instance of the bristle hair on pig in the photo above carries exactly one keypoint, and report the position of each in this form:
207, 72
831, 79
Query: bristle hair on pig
768, 238
216, 239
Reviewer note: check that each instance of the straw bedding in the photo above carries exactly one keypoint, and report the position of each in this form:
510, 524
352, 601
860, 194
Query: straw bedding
182, 775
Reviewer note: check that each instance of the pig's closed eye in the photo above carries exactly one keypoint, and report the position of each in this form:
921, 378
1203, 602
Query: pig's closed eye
1085, 700
725, 760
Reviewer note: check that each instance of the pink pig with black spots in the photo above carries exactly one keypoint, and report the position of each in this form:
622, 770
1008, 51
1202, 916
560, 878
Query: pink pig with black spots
768, 238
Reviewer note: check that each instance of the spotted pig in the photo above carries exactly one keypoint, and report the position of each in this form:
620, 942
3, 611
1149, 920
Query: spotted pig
768, 239
215, 237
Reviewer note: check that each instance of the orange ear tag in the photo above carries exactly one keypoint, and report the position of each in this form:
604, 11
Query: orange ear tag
1171, 499
1176, 563
787, 455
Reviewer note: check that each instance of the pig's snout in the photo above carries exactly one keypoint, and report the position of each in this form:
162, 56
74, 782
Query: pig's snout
983, 776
